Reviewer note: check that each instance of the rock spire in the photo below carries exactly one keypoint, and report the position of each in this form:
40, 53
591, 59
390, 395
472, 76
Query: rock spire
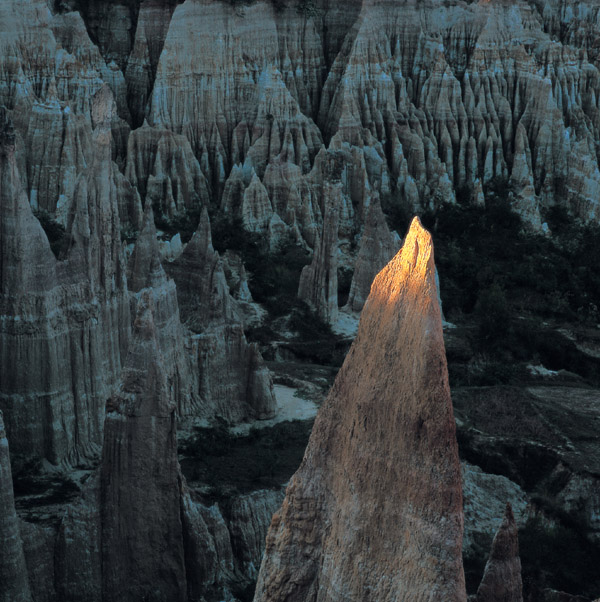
502, 578
374, 512
142, 540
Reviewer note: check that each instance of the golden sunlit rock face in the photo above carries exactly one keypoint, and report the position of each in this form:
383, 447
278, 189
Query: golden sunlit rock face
375, 511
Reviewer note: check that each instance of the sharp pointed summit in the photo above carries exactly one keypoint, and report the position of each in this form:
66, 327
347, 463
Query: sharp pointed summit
375, 510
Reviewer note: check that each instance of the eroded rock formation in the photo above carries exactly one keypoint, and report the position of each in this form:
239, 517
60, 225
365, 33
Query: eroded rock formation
502, 578
233, 381
375, 510
142, 540
65, 323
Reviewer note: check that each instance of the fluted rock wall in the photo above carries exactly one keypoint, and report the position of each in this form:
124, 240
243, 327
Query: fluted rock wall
375, 510
65, 323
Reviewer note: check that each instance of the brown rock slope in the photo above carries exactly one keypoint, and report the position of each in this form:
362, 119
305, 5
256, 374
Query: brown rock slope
502, 578
375, 511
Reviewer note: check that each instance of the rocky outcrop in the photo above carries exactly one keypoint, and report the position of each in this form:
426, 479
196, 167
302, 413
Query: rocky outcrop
377, 246
484, 503
318, 282
376, 505
233, 381
224, 548
502, 578
14, 582
162, 166
65, 324
142, 541
145, 275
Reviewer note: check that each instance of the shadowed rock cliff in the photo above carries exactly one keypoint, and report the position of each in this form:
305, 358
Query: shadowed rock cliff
65, 324
233, 381
14, 582
375, 510
142, 541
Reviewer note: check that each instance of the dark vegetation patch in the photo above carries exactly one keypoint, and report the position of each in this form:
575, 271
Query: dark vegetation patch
510, 288
274, 276
559, 556
493, 265
185, 223
232, 464
510, 432
475, 560
35, 490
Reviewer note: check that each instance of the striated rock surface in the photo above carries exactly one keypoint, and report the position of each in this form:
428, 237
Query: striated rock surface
146, 276
502, 578
14, 582
318, 282
233, 381
375, 510
377, 246
142, 541
64, 324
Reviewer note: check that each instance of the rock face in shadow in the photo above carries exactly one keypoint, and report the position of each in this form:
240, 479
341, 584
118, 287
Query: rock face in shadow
145, 275
14, 582
140, 480
502, 580
375, 510
377, 246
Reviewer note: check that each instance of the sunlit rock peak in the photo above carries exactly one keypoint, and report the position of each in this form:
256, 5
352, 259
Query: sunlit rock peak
375, 511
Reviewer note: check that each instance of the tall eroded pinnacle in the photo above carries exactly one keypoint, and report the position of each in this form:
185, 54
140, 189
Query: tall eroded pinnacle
379, 487
144, 267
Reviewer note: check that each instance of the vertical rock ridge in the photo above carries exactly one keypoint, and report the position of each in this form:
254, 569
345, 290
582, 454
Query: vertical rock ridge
375, 510
145, 275
318, 285
142, 541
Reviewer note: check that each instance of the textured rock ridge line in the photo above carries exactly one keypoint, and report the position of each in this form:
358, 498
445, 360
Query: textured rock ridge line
14, 585
502, 580
142, 539
374, 512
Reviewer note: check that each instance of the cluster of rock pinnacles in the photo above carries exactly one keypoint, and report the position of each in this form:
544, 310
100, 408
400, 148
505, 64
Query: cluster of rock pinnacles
186, 109
374, 511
